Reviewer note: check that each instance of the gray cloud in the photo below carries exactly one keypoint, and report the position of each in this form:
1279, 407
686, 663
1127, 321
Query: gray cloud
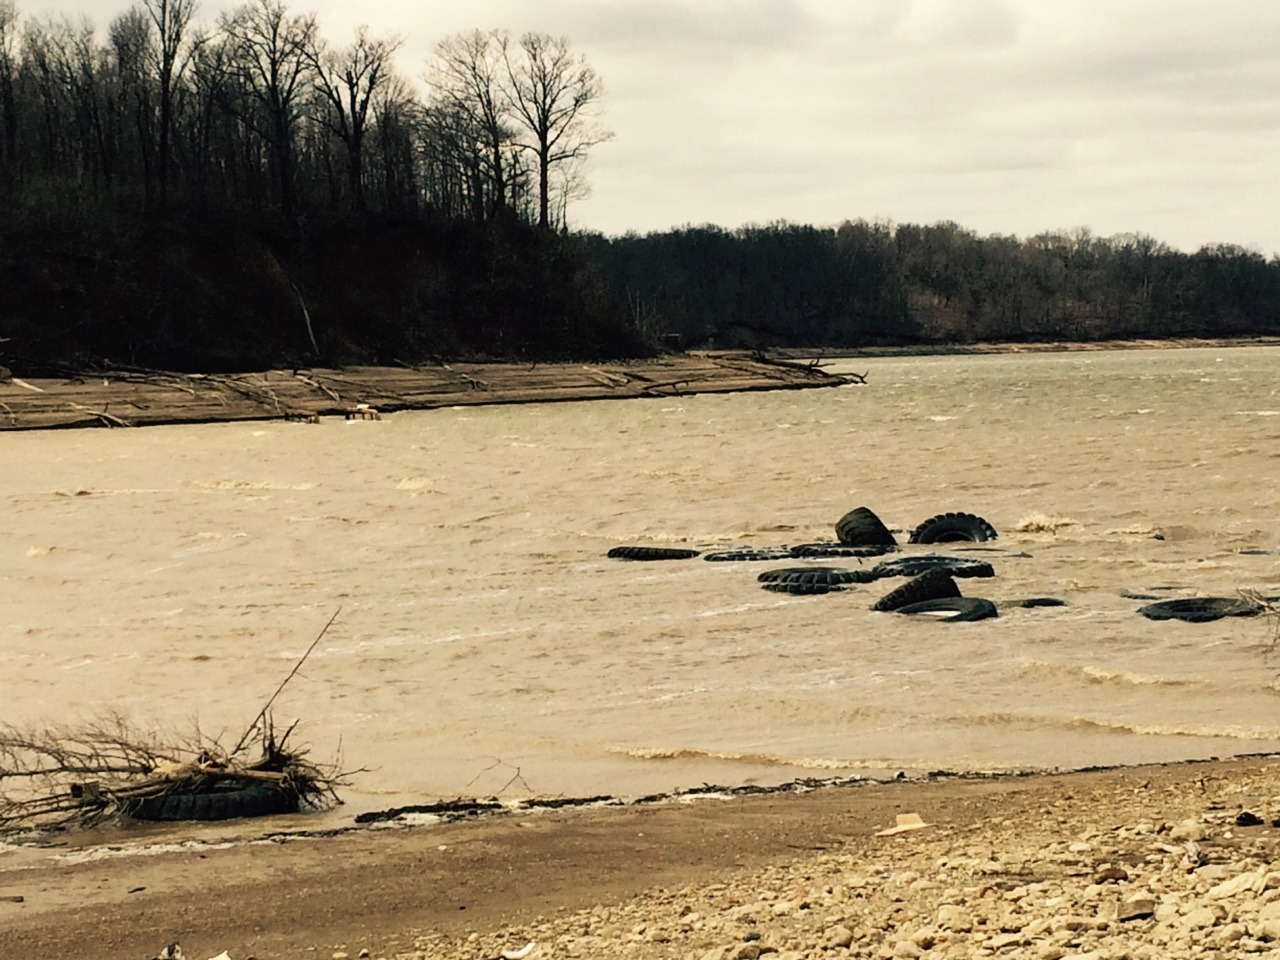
1009, 116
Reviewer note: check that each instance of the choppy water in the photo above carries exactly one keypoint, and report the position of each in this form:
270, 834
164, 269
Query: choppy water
175, 574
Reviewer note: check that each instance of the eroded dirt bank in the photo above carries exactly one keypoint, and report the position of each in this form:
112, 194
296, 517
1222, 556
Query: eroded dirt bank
119, 398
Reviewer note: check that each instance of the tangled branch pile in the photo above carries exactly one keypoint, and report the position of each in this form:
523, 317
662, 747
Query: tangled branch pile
53, 778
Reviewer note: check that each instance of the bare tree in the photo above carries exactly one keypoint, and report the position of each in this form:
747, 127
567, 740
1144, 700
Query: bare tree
132, 104
171, 19
347, 81
395, 112
471, 94
8, 100
199, 121
555, 96
273, 69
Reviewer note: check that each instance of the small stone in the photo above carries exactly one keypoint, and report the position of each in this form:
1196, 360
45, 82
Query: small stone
925, 938
1111, 874
954, 918
1202, 918
838, 936
1136, 908
1189, 830
1236, 886
906, 950
1230, 933
1167, 911
1267, 926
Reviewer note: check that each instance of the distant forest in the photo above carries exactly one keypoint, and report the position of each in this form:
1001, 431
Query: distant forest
875, 283
246, 194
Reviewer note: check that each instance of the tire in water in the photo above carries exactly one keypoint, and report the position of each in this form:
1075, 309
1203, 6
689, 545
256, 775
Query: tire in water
953, 610
954, 528
862, 528
728, 556
1201, 609
820, 550
804, 589
934, 585
832, 576
651, 553
914, 566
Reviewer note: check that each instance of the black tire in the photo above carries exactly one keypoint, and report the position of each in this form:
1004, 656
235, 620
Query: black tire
934, 585
914, 566
723, 556
1040, 602
1201, 609
804, 589
820, 550
254, 800
953, 610
862, 528
652, 553
832, 576
954, 528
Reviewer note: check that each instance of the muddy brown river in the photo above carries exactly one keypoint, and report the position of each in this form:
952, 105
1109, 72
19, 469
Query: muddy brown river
485, 645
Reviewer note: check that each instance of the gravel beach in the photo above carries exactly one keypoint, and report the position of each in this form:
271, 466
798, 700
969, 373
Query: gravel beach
1140, 862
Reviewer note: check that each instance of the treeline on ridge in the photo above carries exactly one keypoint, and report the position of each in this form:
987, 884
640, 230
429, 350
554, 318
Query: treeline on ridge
247, 194
867, 283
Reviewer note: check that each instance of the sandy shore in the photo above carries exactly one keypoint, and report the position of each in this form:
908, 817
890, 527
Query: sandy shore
1132, 862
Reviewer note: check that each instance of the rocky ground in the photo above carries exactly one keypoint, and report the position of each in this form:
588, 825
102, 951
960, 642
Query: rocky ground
1085, 876
1136, 863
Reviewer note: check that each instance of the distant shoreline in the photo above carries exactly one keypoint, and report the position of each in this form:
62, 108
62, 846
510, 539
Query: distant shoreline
130, 397
1048, 346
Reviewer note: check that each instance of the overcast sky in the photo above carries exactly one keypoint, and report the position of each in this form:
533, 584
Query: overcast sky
1007, 116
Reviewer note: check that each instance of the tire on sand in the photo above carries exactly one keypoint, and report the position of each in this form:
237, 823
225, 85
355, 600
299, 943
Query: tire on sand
862, 528
954, 528
252, 800
933, 585
1201, 609
953, 610
651, 553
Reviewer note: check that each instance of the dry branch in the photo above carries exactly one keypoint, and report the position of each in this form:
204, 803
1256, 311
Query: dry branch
57, 778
